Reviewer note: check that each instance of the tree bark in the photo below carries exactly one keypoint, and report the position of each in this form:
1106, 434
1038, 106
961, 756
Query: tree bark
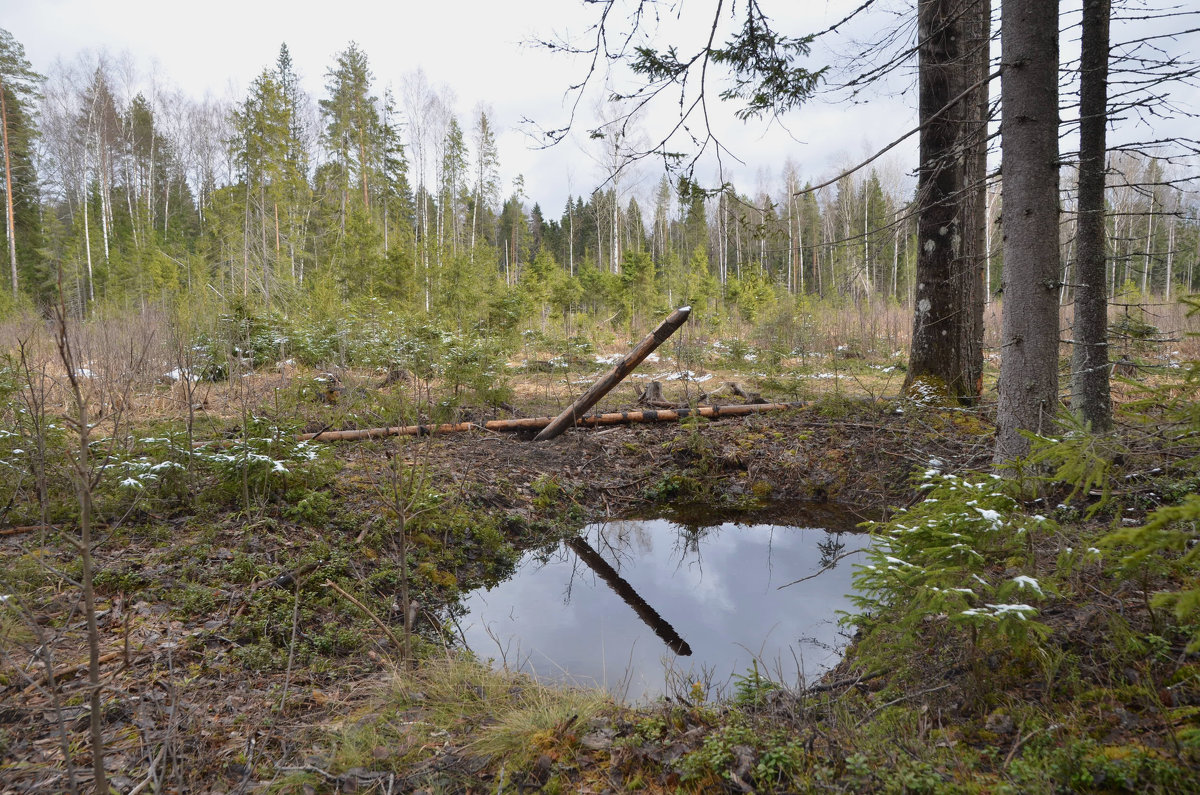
946, 354
1029, 150
1090, 396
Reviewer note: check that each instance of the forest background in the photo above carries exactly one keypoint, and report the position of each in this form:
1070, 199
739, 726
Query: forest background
307, 214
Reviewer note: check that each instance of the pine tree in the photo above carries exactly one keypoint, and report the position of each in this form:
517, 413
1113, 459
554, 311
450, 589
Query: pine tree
1090, 359
263, 154
19, 91
946, 356
353, 136
352, 121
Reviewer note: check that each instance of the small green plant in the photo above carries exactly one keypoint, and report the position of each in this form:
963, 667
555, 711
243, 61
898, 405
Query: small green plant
546, 491
952, 555
751, 689
1080, 458
713, 761
1170, 541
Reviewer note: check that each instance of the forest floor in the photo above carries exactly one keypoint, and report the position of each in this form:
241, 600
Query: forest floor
252, 630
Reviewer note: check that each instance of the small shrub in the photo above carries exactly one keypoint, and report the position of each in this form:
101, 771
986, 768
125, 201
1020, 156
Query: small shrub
939, 558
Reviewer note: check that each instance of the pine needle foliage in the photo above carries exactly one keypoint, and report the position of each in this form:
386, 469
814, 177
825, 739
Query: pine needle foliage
1168, 543
950, 559
1079, 458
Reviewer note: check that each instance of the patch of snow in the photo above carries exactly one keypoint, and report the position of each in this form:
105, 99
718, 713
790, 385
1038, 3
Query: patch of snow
990, 516
178, 374
1018, 610
1028, 582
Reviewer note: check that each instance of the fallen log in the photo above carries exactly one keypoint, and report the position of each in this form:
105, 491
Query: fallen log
622, 368
534, 423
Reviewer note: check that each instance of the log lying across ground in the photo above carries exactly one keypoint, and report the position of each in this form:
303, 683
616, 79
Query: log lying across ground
537, 423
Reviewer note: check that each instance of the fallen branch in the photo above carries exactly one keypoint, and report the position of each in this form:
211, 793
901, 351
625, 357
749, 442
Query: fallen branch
30, 528
839, 684
68, 670
370, 614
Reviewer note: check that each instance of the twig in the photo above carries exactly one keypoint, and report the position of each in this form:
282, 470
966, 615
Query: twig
287, 677
371, 615
154, 763
832, 564
821, 688
895, 701
1022, 740
69, 670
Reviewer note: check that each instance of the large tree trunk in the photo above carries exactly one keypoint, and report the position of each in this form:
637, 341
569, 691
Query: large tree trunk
1089, 361
1029, 148
946, 356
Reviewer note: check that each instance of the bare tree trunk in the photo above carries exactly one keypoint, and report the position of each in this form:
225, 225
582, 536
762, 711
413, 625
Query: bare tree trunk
1029, 148
791, 263
1090, 396
87, 241
1147, 263
946, 355
1170, 257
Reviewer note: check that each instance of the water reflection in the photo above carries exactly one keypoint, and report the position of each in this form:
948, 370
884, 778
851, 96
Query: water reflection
621, 605
613, 579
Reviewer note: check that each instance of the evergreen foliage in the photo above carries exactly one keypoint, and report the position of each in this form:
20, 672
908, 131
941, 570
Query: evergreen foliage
960, 556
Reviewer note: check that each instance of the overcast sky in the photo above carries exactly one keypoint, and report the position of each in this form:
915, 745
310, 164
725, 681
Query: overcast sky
478, 49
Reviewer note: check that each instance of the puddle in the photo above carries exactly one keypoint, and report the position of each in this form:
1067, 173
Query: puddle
645, 608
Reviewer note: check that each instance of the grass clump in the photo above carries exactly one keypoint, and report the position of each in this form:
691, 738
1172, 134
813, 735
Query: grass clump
498, 717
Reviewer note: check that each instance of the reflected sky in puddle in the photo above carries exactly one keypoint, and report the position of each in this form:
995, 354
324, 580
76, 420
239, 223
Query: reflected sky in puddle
624, 605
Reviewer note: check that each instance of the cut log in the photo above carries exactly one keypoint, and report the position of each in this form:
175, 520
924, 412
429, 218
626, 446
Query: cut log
623, 368
535, 423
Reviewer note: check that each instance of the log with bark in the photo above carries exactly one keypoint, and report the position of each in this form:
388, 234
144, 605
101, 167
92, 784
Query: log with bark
592, 396
536, 423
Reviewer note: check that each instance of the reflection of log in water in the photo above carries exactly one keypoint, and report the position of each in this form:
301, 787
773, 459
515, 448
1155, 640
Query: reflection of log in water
647, 613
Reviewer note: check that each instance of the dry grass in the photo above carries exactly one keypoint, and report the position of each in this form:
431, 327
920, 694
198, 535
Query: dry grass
127, 360
493, 714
